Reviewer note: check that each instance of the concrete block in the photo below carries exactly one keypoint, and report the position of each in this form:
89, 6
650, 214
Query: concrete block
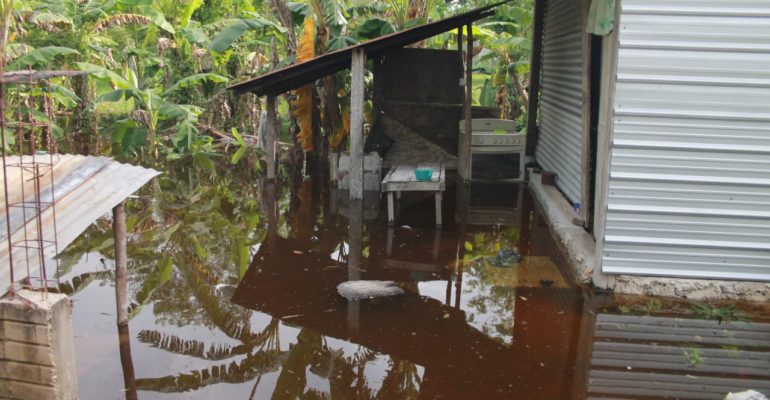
21, 332
26, 352
23, 390
37, 347
30, 373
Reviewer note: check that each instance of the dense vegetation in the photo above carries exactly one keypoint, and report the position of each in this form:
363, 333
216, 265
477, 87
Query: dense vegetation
158, 68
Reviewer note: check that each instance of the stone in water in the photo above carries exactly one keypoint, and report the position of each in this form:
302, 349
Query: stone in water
357, 290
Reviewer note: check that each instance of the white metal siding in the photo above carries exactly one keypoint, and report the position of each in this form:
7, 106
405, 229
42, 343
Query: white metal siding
561, 95
689, 187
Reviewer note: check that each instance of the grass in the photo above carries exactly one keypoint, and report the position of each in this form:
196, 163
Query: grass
724, 313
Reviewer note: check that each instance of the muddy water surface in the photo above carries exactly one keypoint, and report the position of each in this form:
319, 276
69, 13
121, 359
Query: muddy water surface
232, 294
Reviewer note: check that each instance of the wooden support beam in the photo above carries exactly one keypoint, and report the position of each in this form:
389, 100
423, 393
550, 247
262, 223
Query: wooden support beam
272, 135
121, 262
357, 124
465, 158
534, 75
585, 147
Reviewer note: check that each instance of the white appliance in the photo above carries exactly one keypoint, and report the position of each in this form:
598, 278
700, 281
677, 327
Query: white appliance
497, 150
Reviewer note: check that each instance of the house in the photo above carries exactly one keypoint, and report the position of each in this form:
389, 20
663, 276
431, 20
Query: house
659, 132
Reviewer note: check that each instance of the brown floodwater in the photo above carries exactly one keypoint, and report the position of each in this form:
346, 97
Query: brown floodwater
232, 293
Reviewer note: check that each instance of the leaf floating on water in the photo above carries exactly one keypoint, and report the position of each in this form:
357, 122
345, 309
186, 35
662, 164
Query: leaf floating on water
523, 298
468, 246
446, 315
297, 252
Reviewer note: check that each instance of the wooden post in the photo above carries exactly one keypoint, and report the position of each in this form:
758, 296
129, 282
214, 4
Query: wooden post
534, 79
357, 124
465, 168
271, 136
121, 265
585, 148
126, 361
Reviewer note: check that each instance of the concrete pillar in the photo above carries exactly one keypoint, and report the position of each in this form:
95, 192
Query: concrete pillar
37, 349
357, 65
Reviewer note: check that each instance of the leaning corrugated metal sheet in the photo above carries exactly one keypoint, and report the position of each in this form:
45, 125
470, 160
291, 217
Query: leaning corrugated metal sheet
86, 188
561, 99
689, 188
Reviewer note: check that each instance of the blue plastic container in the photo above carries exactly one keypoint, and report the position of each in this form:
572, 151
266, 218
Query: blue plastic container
423, 174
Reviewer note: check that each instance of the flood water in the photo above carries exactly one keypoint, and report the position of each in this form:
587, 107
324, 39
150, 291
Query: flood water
232, 292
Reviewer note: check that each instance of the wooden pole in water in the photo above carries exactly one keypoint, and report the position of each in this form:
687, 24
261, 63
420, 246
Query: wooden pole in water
357, 124
534, 80
466, 167
121, 265
271, 136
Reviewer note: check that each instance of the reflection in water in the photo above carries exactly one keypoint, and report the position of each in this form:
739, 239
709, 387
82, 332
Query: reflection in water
232, 288
129, 379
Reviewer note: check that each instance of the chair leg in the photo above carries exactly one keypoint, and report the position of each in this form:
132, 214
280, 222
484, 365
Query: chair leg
391, 217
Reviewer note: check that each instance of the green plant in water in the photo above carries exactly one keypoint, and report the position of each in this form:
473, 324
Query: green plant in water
725, 313
652, 306
693, 357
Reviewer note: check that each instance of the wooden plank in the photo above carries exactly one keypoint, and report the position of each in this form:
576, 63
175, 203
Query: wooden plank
271, 137
464, 161
357, 124
461, 161
121, 260
665, 382
688, 337
534, 80
704, 332
688, 322
603, 143
585, 143
679, 364
628, 348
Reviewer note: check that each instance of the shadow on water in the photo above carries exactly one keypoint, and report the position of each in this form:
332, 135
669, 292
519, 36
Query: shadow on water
232, 292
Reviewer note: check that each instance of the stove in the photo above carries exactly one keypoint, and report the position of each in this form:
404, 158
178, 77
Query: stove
497, 150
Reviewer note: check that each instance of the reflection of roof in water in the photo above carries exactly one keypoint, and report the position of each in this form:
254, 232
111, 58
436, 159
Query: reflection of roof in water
301, 290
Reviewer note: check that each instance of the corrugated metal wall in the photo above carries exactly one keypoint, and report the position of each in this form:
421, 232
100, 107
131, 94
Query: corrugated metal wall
689, 186
561, 95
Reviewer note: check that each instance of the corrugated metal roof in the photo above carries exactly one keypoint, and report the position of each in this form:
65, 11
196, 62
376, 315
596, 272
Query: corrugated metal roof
689, 186
560, 140
86, 188
297, 75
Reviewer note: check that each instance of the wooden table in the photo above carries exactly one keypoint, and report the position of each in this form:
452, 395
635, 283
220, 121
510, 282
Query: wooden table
401, 178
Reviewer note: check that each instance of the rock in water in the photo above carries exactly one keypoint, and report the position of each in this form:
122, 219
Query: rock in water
747, 395
357, 290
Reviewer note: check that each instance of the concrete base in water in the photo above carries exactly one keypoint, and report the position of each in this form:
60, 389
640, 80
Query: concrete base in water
581, 247
37, 352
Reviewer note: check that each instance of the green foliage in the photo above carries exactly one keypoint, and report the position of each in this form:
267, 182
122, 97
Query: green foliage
223, 40
693, 357
41, 56
724, 313
156, 67
373, 28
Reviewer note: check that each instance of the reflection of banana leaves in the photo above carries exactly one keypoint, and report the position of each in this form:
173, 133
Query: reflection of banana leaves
193, 348
232, 321
80, 282
401, 381
159, 276
248, 369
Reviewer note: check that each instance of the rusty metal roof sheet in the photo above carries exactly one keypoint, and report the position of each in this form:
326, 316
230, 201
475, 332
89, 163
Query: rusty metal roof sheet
297, 75
85, 189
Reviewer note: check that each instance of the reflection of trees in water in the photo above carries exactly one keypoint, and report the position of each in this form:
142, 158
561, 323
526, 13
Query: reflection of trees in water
204, 225
491, 289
